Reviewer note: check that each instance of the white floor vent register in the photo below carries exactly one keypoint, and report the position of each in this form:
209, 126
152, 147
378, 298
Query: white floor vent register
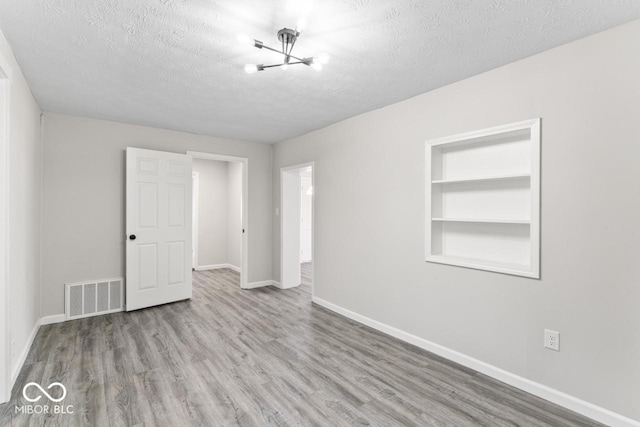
85, 299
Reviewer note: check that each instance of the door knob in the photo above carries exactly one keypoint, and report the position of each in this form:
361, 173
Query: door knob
132, 237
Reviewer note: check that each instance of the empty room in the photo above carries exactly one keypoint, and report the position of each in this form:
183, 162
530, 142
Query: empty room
306, 213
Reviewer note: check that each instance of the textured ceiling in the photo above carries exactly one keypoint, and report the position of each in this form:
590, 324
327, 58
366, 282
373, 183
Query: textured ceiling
176, 64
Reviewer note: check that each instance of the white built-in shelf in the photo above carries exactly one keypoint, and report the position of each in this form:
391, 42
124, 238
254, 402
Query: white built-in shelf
483, 264
483, 199
485, 220
485, 178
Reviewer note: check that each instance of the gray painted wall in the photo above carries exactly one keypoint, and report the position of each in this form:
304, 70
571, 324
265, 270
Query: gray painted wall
25, 188
212, 215
369, 223
84, 189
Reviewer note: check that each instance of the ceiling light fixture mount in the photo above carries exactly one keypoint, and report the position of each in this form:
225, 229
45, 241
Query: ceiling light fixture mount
287, 38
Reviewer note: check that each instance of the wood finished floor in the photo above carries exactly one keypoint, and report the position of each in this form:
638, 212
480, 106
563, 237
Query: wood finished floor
256, 358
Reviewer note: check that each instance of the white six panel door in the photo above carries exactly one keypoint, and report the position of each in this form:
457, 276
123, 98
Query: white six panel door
159, 204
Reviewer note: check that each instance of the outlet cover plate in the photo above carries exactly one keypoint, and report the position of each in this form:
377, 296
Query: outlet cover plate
552, 339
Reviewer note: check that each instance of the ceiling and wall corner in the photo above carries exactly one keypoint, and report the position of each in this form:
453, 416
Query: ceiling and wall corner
177, 64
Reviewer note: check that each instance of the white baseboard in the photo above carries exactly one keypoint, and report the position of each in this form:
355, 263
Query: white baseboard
281, 286
261, 284
555, 396
56, 318
217, 266
46, 320
15, 371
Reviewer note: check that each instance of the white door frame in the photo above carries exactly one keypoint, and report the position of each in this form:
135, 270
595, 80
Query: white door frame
196, 215
313, 222
244, 268
5, 330
303, 195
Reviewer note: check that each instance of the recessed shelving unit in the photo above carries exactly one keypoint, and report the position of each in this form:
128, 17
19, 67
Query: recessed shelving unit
483, 199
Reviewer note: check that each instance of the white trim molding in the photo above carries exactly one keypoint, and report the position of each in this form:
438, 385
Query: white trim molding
46, 320
217, 267
50, 320
261, 284
552, 395
276, 284
25, 352
264, 283
195, 213
5, 306
281, 286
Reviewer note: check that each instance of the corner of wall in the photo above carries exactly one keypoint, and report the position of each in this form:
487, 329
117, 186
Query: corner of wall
271, 209
24, 247
41, 275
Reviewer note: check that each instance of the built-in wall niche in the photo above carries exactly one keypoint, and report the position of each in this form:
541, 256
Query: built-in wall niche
483, 199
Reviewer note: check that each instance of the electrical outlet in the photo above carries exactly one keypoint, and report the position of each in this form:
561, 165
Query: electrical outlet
552, 339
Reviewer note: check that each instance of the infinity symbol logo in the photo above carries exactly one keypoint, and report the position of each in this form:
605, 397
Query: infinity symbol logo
64, 392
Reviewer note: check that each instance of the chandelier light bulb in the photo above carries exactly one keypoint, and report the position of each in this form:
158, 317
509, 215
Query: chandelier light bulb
250, 68
301, 25
316, 66
322, 59
285, 67
245, 39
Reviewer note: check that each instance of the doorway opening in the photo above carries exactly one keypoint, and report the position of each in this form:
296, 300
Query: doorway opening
297, 225
219, 233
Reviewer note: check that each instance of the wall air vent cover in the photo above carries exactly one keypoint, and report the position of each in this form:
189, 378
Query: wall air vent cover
93, 298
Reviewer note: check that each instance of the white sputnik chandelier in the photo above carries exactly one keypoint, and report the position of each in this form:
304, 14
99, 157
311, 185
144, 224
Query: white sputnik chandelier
287, 38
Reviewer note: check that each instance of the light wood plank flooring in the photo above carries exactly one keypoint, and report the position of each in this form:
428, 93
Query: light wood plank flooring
256, 358
306, 274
